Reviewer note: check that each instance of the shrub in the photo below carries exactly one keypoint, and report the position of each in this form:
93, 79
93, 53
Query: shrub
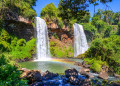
21, 42
96, 67
25, 50
9, 74
4, 46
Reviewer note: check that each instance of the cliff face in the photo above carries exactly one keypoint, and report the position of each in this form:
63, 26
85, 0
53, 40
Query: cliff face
64, 34
21, 27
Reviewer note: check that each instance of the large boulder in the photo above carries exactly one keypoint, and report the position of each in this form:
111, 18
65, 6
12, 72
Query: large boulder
33, 76
49, 75
103, 75
71, 72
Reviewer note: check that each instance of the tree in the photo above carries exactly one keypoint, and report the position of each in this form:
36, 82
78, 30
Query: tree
50, 12
108, 16
119, 28
17, 7
116, 17
77, 7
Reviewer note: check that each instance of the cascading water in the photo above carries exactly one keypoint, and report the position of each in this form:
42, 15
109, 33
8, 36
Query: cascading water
43, 52
80, 41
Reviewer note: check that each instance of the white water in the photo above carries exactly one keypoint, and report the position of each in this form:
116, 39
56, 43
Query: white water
43, 52
80, 41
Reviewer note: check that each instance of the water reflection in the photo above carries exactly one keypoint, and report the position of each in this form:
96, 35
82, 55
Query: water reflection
52, 66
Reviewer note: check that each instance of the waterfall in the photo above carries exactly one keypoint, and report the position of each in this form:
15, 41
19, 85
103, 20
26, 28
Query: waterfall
80, 41
43, 52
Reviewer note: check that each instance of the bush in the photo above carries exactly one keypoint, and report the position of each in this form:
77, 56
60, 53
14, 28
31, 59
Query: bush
106, 50
96, 67
9, 74
24, 49
21, 42
4, 46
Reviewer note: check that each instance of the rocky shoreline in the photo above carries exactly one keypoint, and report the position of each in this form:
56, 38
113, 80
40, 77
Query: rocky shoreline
71, 77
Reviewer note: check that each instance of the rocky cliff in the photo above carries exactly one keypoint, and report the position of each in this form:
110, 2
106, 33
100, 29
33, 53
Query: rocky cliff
64, 34
20, 26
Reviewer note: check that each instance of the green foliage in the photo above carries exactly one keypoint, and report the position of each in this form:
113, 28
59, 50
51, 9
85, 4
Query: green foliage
4, 46
9, 74
57, 50
108, 50
91, 31
60, 22
49, 12
116, 18
21, 42
119, 27
55, 35
19, 7
14, 48
24, 49
108, 31
100, 25
96, 67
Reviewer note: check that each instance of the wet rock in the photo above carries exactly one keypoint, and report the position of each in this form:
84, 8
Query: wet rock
103, 75
24, 72
115, 84
71, 72
104, 68
49, 75
78, 63
51, 83
84, 62
89, 75
37, 84
86, 82
33, 76
84, 70
73, 80
116, 75
87, 66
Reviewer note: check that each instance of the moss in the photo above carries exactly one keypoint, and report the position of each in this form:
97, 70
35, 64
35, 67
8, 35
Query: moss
96, 67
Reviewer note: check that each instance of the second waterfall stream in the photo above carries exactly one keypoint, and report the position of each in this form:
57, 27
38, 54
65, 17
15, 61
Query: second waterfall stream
80, 41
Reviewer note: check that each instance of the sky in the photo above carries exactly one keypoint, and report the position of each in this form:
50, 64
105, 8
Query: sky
114, 6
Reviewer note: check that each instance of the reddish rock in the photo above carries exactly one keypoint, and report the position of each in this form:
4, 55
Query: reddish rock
103, 75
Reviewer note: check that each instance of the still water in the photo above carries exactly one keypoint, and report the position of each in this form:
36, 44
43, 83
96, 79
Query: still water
54, 65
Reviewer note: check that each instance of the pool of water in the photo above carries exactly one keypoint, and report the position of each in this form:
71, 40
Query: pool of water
54, 65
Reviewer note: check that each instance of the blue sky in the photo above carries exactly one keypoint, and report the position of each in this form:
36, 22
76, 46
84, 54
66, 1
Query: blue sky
114, 5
